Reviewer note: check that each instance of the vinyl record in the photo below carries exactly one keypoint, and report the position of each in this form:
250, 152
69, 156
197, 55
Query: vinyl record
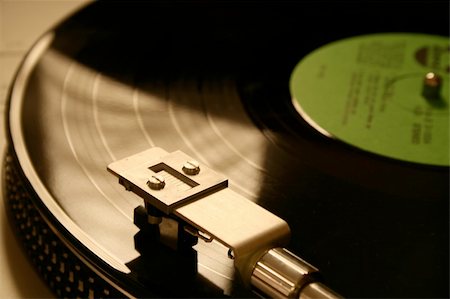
212, 79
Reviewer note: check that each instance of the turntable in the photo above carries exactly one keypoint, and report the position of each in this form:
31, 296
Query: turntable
319, 127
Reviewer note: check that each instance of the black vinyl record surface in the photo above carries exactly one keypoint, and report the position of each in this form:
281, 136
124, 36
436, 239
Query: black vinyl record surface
212, 79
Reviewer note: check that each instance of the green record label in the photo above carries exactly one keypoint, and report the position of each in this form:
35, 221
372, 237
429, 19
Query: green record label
384, 93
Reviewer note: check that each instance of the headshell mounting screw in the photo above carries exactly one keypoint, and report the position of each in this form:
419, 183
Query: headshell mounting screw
191, 167
156, 182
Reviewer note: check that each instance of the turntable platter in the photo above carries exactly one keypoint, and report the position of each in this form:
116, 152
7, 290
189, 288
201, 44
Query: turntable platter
212, 80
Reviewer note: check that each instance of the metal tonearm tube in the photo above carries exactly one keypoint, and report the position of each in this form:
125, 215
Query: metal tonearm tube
175, 185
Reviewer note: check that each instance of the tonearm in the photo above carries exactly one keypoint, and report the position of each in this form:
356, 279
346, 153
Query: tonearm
177, 186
